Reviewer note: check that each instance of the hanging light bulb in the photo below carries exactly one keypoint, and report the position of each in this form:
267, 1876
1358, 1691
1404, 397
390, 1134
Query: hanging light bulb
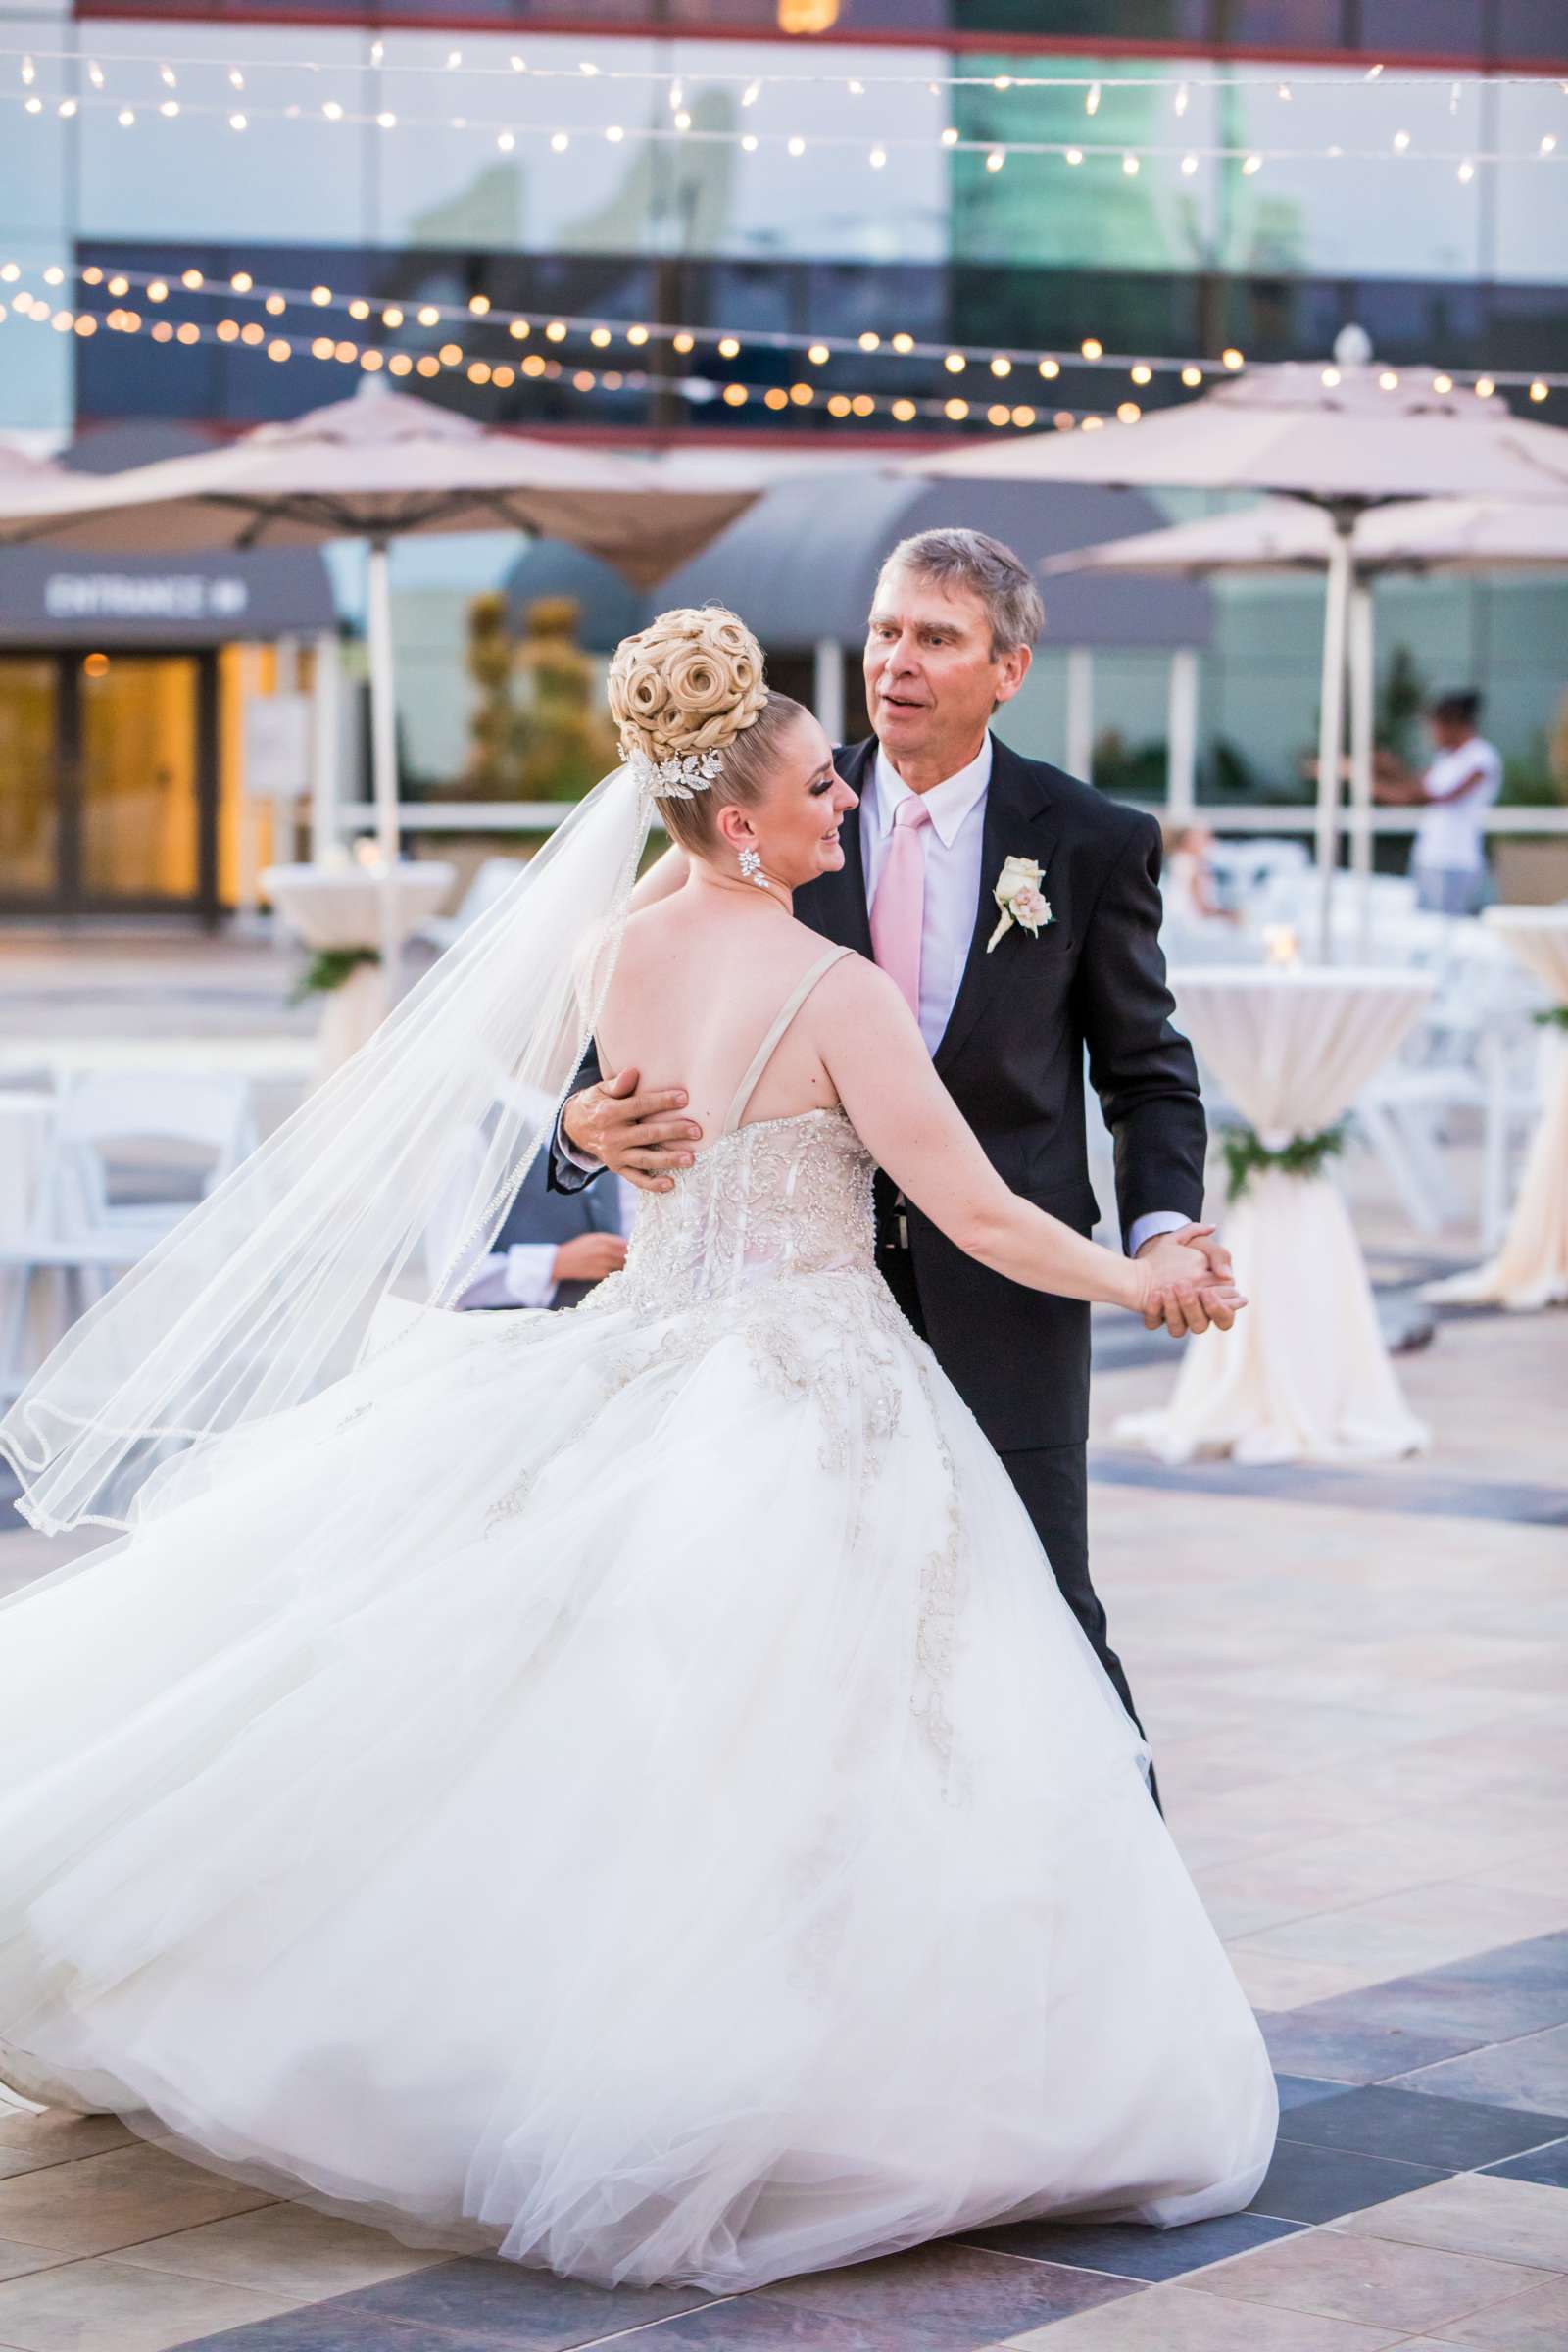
808, 16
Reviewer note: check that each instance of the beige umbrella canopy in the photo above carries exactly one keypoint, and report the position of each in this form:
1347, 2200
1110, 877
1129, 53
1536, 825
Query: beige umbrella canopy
1281, 535
1345, 436
381, 465
1336, 433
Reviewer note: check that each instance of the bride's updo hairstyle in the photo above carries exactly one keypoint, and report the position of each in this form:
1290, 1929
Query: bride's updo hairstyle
688, 697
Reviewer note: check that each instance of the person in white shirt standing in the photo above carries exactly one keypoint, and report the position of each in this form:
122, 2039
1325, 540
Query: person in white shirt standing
1461, 783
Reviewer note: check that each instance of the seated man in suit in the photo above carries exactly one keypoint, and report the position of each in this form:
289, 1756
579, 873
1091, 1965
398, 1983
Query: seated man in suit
552, 1246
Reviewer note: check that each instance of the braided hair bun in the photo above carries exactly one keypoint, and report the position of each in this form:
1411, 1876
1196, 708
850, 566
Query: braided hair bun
690, 682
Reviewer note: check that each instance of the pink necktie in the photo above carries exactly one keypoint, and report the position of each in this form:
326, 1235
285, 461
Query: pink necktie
898, 913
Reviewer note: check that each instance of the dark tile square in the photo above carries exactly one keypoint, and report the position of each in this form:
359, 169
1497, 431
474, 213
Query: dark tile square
1492, 1996
481, 2302
324, 2328
762, 2322
1305, 2041
1470, 2010
1548, 2165
1305, 2090
1319, 2185
951, 2293
1129, 2250
1455, 2134
1538, 1960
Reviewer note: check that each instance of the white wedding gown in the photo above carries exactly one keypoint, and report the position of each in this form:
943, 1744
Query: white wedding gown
621, 1788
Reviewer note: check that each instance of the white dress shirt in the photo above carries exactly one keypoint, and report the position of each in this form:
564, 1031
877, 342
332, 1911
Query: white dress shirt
954, 846
1453, 836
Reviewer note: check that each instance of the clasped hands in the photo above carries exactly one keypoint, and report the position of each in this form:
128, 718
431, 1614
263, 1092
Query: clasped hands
1188, 1282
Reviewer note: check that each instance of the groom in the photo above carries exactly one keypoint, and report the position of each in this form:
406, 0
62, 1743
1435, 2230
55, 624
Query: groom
944, 806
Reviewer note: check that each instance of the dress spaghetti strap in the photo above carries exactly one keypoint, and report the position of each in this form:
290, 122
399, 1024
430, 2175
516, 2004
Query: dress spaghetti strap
771, 1043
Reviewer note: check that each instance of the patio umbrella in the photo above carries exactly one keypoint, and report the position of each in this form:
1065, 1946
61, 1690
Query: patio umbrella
1345, 437
381, 465
1281, 535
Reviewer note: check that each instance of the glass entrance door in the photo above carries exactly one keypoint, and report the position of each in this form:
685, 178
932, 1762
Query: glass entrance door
141, 819
30, 801
109, 782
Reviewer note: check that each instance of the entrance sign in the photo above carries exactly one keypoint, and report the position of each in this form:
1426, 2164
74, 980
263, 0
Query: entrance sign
129, 596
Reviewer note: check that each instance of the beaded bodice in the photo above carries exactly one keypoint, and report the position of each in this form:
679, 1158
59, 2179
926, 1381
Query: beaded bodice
790, 1196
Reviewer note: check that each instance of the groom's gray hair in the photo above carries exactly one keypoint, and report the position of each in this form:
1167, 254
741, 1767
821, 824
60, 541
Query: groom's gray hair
988, 569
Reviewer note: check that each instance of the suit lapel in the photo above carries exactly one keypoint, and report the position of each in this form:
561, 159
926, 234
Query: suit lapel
1019, 823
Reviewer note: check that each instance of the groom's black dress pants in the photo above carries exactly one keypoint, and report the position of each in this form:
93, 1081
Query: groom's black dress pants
1053, 1484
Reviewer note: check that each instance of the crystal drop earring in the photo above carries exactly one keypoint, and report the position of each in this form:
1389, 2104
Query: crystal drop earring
752, 868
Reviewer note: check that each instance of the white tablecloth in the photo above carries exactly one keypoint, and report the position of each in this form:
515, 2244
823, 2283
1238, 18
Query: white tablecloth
356, 907
1305, 1375
1531, 1269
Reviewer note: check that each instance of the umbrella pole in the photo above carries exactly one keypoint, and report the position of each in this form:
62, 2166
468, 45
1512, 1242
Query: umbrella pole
383, 701
1331, 728
385, 759
1362, 689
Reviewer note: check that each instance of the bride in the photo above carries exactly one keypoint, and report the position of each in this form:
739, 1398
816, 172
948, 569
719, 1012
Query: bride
620, 1788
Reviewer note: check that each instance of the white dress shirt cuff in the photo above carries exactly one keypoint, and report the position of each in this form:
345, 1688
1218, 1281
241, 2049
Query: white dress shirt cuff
573, 1157
1158, 1220
524, 1276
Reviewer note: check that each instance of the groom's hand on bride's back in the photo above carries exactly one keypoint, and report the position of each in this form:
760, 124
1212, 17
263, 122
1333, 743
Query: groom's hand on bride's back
636, 1131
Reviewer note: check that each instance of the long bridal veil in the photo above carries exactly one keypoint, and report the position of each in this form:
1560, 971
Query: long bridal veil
271, 1289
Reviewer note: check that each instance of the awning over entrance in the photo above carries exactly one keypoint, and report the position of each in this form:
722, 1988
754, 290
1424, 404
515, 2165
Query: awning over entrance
52, 597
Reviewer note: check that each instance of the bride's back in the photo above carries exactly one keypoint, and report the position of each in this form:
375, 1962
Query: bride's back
699, 981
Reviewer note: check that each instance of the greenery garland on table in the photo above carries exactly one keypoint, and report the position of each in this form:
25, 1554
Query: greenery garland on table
1555, 1017
1246, 1154
329, 969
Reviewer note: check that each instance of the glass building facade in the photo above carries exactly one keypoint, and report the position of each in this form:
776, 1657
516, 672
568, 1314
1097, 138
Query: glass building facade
492, 186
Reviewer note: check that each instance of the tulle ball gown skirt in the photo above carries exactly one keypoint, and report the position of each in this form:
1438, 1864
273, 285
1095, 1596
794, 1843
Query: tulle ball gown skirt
620, 1789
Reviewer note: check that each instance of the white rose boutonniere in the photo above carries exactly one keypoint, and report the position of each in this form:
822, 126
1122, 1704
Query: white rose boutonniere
1017, 893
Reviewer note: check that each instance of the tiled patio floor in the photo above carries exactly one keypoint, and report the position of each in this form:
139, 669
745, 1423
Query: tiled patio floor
1355, 1684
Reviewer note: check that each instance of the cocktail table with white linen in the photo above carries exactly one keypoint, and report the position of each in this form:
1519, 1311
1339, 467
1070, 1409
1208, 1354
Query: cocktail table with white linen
356, 911
1304, 1376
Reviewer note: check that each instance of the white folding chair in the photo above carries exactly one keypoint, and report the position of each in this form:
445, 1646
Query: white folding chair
1468, 1068
130, 1155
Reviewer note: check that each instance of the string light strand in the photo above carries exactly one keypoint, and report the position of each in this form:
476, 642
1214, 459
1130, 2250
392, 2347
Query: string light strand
460, 66
817, 350
506, 131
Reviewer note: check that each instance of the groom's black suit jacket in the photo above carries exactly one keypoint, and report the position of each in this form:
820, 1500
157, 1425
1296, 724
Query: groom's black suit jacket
1012, 1059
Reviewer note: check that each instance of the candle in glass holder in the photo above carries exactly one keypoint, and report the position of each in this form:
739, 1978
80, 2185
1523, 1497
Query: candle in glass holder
1281, 945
